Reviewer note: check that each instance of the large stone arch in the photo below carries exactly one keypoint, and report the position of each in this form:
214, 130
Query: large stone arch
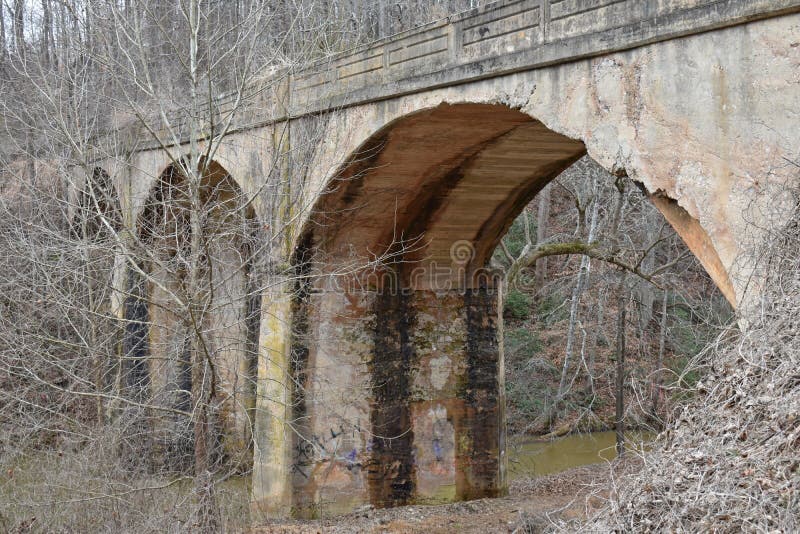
706, 121
397, 359
481, 132
252, 156
156, 347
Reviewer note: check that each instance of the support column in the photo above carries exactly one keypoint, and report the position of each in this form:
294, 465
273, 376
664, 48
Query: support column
437, 406
271, 490
392, 465
482, 461
333, 345
401, 399
458, 395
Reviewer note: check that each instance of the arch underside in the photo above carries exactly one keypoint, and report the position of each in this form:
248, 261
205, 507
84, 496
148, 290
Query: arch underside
398, 331
455, 173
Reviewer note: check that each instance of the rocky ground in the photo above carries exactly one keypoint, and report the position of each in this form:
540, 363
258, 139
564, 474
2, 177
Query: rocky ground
533, 505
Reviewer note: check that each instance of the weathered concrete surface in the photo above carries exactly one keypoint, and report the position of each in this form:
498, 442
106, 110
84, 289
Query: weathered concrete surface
400, 399
704, 123
504, 37
432, 143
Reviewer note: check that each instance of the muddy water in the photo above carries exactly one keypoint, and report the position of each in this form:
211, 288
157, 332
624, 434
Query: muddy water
530, 458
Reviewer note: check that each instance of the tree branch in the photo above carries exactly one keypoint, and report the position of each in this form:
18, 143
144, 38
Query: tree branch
579, 248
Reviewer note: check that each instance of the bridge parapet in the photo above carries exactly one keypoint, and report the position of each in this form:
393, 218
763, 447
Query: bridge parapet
505, 37
501, 38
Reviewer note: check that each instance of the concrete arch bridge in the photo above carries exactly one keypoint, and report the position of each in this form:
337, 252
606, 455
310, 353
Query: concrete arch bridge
384, 384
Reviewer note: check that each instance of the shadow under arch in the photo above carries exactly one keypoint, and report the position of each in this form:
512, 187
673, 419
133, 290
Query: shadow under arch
397, 341
187, 296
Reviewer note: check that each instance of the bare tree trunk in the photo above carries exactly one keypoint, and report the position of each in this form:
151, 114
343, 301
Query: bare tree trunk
620, 356
660, 359
19, 28
47, 32
63, 37
542, 216
583, 274
203, 372
3, 52
383, 18
202, 397
594, 345
645, 292
88, 27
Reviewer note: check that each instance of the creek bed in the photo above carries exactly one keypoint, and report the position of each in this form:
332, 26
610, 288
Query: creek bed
532, 458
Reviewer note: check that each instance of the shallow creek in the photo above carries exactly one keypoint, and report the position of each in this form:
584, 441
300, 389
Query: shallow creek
529, 457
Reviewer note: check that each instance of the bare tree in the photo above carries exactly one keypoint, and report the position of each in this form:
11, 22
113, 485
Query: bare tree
195, 242
619, 393
19, 28
662, 341
3, 38
542, 216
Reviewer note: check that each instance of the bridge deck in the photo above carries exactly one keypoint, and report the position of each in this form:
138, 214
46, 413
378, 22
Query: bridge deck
504, 37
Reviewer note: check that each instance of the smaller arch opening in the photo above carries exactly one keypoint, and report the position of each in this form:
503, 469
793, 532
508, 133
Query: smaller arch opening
193, 313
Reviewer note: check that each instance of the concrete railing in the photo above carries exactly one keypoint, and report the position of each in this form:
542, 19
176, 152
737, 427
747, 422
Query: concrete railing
501, 38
